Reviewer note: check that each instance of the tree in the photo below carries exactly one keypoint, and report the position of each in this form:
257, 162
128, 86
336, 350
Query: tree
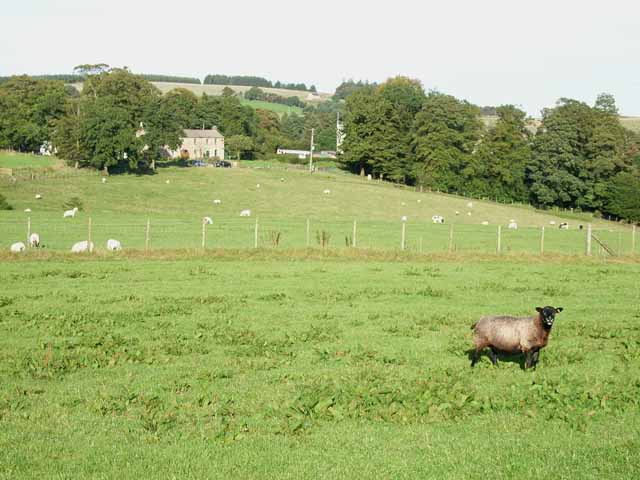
238, 144
228, 92
446, 132
185, 106
624, 197
4, 205
90, 68
161, 129
502, 158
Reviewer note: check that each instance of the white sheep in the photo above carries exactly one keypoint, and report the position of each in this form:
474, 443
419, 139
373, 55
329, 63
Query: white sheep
217, 201
485, 223
104, 180
281, 179
552, 222
81, 247
18, 247
469, 214
437, 219
257, 185
70, 213
34, 240
404, 204
457, 212
369, 177
512, 226
326, 191
512, 221
207, 220
114, 245
245, 213
419, 200
38, 196
470, 204
404, 218
27, 210
168, 182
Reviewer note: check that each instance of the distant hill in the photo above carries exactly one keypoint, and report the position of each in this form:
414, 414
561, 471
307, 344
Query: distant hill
632, 123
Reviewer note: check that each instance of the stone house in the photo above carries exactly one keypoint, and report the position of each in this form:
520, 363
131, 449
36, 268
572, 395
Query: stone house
201, 144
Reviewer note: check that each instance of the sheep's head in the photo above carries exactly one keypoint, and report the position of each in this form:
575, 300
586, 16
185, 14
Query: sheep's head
548, 314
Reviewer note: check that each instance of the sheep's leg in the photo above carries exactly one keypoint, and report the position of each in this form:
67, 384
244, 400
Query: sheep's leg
536, 355
493, 355
527, 359
475, 356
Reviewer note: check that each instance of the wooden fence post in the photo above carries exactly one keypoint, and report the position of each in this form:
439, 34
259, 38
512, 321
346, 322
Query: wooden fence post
355, 232
308, 230
451, 238
588, 252
619, 243
499, 246
204, 235
255, 235
146, 237
28, 231
402, 242
89, 237
542, 241
633, 240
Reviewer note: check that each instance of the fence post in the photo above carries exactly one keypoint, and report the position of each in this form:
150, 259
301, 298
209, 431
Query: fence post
308, 230
402, 243
255, 235
28, 231
451, 238
542, 241
146, 238
204, 235
588, 252
89, 237
619, 243
633, 240
499, 246
355, 232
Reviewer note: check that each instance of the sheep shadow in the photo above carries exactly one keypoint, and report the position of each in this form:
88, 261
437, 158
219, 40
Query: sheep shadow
518, 358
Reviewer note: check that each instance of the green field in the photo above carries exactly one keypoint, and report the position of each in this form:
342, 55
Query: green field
270, 365
282, 204
632, 123
23, 160
274, 107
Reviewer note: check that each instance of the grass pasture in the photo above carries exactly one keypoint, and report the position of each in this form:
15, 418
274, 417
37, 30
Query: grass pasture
282, 204
24, 160
266, 365
278, 108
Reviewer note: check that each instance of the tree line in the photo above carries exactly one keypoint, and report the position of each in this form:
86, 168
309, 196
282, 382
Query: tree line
122, 122
256, 93
252, 81
580, 156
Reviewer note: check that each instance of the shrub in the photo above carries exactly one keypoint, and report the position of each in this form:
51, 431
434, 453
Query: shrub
73, 202
4, 205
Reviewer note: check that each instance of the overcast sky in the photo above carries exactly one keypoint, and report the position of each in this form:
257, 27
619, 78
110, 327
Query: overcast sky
489, 52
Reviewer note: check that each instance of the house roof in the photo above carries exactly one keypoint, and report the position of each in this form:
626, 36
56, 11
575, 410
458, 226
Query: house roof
195, 133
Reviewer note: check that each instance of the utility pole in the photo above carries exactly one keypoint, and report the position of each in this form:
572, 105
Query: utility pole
313, 131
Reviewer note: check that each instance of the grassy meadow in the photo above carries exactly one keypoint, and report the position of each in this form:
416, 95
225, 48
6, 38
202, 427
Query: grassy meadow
176, 199
278, 108
21, 160
277, 365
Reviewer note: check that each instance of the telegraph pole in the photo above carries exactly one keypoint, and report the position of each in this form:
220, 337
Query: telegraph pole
313, 130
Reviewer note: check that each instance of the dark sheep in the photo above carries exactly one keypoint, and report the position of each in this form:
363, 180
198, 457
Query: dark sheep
514, 334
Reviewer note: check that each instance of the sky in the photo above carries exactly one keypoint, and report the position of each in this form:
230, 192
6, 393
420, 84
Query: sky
490, 52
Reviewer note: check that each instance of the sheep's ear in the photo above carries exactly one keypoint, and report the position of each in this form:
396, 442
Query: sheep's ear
539, 309
559, 309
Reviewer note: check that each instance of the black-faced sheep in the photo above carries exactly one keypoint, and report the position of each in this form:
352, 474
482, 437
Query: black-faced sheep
514, 334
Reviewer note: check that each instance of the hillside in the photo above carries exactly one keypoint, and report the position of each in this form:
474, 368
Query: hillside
177, 198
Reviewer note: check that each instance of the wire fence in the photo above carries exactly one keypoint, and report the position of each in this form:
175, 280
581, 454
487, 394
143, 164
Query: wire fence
270, 232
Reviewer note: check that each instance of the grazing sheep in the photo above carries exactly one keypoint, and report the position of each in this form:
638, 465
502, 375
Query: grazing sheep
470, 205
70, 213
207, 220
168, 182
552, 222
512, 226
257, 185
369, 177
38, 196
563, 226
469, 214
104, 180
81, 247
114, 245
419, 200
437, 219
282, 179
404, 218
18, 247
485, 223
509, 334
457, 212
326, 191
34, 240
217, 201
27, 210
245, 213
